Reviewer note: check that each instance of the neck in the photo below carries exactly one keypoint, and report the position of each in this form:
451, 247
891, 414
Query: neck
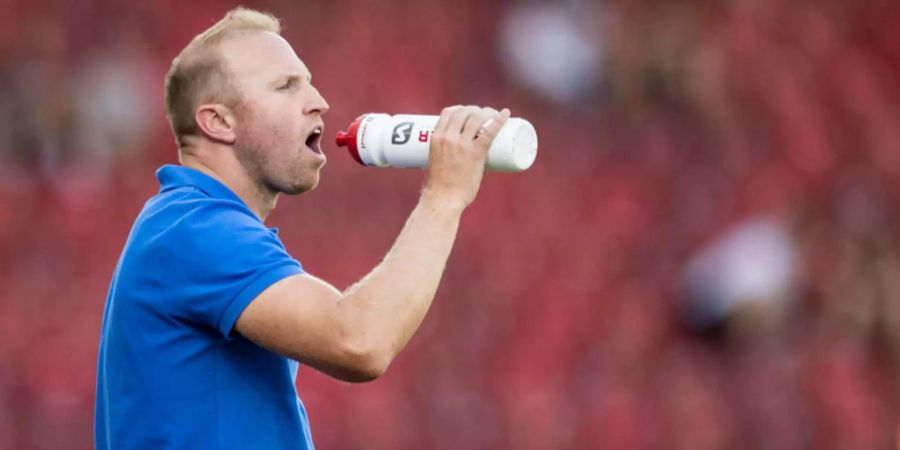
260, 200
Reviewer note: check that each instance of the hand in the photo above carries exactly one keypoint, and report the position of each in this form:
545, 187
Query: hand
459, 149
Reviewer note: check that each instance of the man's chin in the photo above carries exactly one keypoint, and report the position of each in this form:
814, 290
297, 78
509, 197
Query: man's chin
304, 186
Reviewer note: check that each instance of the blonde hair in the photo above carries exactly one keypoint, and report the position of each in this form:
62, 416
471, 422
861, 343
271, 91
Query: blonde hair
198, 74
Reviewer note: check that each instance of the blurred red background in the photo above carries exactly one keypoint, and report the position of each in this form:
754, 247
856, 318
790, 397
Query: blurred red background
704, 255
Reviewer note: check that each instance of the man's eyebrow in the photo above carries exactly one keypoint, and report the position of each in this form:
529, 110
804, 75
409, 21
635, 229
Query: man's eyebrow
297, 77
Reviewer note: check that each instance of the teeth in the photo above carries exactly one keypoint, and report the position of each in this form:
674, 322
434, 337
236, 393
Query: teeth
315, 133
312, 139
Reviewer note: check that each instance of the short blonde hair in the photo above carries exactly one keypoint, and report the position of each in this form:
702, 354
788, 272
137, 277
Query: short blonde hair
198, 74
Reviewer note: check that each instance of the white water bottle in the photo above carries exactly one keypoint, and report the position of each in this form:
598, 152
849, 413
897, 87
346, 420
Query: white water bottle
402, 140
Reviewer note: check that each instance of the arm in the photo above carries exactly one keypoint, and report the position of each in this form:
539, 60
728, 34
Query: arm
354, 335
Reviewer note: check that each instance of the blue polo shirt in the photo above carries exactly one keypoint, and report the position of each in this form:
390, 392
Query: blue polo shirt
172, 374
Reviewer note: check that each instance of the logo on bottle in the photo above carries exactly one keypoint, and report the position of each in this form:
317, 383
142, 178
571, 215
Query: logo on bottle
402, 133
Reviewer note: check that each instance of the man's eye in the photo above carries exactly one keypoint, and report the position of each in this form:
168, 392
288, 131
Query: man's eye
286, 86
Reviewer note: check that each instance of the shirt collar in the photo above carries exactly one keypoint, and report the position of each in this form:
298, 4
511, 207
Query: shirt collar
173, 177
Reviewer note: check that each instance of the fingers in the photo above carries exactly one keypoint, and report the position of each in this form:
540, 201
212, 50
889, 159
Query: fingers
471, 122
458, 120
485, 130
476, 121
489, 130
444, 119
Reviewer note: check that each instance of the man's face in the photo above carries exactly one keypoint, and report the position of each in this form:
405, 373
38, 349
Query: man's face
278, 115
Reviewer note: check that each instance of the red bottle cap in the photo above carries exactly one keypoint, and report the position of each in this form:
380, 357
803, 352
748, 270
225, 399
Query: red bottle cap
348, 139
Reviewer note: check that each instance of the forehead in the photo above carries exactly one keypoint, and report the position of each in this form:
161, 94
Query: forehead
261, 55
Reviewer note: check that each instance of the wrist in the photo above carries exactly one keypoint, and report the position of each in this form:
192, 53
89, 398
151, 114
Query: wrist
442, 200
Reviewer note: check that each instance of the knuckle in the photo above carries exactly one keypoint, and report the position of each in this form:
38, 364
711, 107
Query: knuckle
453, 140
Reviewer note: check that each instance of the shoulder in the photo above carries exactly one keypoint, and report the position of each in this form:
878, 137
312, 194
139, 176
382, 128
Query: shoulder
191, 224
188, 208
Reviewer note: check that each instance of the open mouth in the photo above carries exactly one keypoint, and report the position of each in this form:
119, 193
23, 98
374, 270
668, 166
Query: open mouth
314, 139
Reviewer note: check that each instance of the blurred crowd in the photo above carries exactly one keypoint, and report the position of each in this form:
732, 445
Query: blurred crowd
704, 255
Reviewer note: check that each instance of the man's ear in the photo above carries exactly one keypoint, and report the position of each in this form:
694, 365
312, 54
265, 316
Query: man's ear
216, 121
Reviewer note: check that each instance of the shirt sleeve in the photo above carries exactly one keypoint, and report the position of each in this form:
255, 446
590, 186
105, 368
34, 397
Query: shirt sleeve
225, 258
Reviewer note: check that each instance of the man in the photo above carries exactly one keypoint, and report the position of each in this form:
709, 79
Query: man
207, 314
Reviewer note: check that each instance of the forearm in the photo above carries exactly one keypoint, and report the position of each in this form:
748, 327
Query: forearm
388, 305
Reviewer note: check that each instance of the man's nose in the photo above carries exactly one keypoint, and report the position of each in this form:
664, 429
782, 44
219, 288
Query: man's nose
317, 103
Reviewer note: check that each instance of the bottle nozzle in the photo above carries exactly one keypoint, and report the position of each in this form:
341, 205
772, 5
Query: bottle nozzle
348, 139
342, 139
